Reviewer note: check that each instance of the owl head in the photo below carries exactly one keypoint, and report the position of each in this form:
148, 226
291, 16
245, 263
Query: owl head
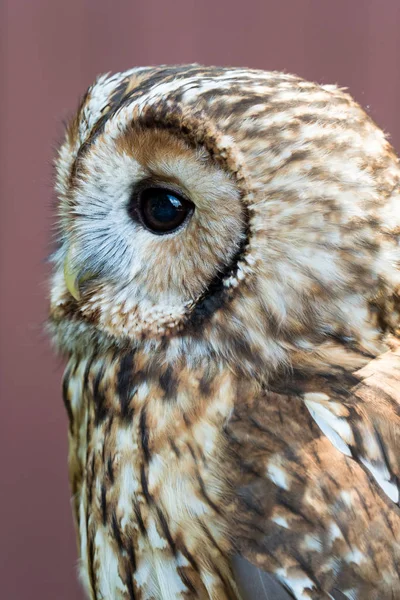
227, 212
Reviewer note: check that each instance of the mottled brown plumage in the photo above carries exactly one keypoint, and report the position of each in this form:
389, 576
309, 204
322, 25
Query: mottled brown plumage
233, 384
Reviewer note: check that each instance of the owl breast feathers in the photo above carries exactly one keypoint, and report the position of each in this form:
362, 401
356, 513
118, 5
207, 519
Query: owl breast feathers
226, 290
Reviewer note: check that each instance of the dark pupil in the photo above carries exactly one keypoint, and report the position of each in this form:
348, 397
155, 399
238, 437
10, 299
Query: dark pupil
162, 210
164, 207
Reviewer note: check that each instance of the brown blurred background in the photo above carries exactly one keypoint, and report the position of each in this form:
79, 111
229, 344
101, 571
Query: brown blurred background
51, 50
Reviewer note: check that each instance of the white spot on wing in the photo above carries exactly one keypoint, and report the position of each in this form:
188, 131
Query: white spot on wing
335, 428
355, 556
339, 432
281, 521
276, 474
382, 477
334, 532
312, 543
296, 583
346, 497
351, 594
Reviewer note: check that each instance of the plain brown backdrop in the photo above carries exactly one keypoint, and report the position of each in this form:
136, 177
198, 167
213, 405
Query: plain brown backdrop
50, 52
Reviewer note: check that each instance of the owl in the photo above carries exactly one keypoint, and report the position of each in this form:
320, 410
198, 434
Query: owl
226, 291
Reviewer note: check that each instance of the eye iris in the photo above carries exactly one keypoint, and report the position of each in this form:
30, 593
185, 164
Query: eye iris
163, 211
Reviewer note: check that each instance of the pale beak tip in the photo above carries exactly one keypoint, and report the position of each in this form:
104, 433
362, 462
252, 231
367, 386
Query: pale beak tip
71, 279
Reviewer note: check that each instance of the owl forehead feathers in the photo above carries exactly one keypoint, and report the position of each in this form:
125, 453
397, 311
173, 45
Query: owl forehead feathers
288, 179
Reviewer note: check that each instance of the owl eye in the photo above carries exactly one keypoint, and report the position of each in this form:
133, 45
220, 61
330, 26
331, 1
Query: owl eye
163, 211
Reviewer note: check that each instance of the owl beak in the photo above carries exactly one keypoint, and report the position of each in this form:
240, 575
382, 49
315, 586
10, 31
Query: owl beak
75, 275
71, 276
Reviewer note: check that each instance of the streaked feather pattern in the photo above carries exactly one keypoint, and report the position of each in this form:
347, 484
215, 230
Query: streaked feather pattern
233, 388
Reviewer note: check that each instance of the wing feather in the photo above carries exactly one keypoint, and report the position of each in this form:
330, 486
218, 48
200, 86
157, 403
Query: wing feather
317, 471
